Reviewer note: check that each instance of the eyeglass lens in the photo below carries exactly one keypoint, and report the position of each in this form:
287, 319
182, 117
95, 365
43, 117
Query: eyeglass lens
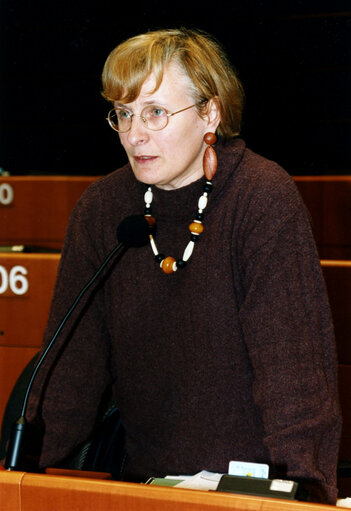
153, 116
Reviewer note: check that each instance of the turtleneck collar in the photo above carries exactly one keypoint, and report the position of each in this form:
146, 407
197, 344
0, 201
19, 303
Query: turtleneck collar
181, 203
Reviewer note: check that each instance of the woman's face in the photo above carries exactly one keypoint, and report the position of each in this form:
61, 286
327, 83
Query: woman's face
172, 157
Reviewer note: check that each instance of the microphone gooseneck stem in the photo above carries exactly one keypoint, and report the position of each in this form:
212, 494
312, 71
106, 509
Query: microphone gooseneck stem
17, 437
63, 322
133, 231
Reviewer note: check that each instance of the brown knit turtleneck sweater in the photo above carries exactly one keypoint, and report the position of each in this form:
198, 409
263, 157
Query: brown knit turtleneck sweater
230, 358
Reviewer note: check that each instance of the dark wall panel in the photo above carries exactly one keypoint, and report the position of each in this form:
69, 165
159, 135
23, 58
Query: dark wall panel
294, 60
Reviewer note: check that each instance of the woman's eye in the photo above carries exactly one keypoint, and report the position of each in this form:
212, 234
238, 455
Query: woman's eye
157, 111
123, 114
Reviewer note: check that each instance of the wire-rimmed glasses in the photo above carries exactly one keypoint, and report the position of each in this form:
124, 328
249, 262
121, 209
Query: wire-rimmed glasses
154, 117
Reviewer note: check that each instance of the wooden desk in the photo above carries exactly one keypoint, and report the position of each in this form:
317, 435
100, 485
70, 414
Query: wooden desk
26, 287
328, 199
34, 210
20, 491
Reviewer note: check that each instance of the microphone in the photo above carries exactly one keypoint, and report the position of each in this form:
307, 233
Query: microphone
133, 231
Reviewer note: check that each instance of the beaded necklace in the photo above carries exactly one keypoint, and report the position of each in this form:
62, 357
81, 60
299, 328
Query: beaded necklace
168, 264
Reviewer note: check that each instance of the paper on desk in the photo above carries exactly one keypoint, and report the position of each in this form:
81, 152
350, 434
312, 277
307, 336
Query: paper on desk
203, 480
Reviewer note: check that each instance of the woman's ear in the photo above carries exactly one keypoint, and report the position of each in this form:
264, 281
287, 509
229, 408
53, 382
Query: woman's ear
213, 114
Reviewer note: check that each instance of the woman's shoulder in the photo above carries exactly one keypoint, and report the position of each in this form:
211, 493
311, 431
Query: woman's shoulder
261, 169
266, 180
261, 188
246, 166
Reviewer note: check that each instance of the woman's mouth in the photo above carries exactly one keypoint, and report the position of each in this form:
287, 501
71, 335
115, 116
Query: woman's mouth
144, 158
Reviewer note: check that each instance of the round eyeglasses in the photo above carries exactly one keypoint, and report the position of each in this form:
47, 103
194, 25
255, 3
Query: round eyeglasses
154, 117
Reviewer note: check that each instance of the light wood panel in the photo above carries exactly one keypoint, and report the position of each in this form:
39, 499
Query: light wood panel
34, 492
34, 210
23, 315
12, 363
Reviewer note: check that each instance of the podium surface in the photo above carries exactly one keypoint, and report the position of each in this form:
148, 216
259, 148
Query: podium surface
21, 491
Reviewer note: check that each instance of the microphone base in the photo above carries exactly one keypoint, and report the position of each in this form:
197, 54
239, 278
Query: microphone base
23, 448
17, 438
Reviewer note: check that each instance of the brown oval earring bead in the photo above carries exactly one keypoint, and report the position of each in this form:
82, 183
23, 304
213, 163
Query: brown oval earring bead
210, 157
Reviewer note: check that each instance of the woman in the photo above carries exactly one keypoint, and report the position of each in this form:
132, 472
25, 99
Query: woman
219, 344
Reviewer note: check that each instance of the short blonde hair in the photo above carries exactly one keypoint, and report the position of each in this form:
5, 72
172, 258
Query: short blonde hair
197, 53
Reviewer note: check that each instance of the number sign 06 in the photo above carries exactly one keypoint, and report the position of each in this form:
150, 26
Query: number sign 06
14, 280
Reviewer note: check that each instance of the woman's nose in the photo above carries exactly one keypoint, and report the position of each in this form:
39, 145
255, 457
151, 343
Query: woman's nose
138, 133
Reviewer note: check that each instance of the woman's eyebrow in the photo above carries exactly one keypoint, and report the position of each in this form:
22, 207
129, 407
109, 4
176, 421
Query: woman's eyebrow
121, 105
145, 103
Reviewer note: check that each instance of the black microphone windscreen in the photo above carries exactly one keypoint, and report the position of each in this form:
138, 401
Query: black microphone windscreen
133, 231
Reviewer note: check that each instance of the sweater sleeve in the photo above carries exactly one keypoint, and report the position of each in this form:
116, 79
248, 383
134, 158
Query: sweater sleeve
68, 389
288, 332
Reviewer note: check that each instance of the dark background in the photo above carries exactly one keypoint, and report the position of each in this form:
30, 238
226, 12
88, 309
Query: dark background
294, 58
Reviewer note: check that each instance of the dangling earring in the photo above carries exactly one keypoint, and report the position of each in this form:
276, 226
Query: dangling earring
210, 157
168, 264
